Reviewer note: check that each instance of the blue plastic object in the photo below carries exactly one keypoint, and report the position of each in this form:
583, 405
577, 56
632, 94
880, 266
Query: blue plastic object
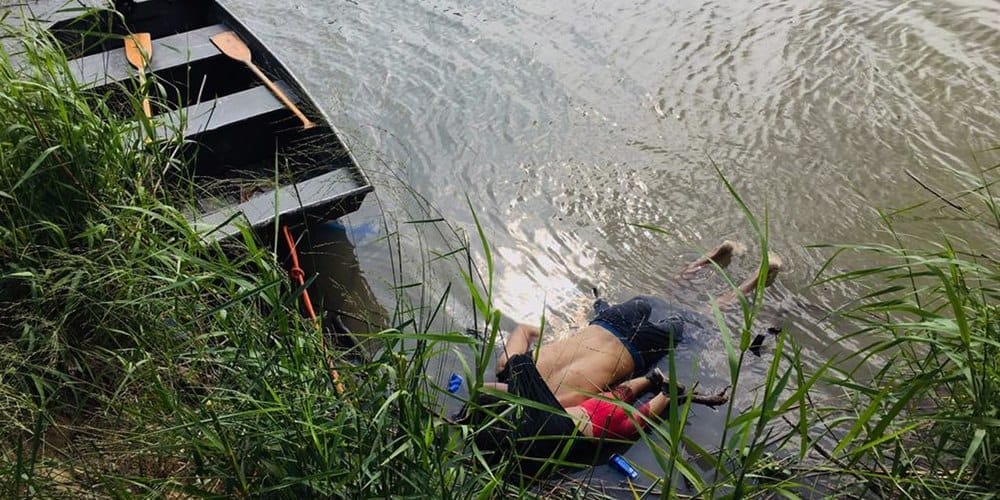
622, 465
455, 383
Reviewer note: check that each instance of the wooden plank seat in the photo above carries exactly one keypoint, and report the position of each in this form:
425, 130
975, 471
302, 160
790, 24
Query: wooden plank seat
247, 157
310, 197
97, 70
222, 111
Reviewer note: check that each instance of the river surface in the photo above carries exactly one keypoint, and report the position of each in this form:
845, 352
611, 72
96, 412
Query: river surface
565, 124
568, 128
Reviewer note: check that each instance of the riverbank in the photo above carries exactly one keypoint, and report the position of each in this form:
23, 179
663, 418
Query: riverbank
138, 361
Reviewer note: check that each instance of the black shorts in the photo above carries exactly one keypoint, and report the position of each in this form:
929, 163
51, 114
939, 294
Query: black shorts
542, 431
647, 326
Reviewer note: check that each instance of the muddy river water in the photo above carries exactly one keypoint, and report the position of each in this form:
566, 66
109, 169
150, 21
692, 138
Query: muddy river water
567, 124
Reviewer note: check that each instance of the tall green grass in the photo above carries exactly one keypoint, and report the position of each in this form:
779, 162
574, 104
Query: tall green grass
918, 420
139, 360
743, 462
926, 423
136, 359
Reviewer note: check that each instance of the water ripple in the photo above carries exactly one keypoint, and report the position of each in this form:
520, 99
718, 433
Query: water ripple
568, 123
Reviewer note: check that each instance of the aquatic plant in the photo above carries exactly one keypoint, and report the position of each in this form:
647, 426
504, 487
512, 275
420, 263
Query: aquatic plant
137, 359
925, 422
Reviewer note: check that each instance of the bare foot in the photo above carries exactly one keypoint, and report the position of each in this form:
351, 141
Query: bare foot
748, 286
774, 265
720, 255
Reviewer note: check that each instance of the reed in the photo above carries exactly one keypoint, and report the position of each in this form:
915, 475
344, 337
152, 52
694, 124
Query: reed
920, 418
925, 423
136, 359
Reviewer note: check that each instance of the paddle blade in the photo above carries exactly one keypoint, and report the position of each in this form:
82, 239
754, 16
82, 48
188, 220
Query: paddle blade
232, 46
138, 49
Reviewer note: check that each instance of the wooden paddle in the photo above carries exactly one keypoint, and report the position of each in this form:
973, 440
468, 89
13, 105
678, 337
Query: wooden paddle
139, 51
232, 46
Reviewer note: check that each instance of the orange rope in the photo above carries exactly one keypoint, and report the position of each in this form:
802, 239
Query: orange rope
297, 273
300, 276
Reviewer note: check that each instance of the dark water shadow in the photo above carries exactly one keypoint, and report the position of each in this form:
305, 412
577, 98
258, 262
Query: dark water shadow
339, 290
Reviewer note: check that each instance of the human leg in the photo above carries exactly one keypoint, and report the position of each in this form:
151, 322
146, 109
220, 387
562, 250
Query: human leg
748, 286
630, 389
659, 403
720, 255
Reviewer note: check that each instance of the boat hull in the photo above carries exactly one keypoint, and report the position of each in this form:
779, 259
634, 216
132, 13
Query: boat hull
247, 157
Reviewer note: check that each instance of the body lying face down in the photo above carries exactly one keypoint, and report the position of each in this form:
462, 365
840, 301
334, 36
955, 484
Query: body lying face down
525, 419
554, 408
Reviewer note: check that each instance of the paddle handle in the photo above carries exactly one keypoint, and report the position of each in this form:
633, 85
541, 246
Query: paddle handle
146, 108
306, 122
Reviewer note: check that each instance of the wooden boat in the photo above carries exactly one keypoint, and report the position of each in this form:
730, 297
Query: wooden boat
252, 161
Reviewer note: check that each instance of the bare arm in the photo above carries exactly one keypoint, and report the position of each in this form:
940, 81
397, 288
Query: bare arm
519, 342
531, 333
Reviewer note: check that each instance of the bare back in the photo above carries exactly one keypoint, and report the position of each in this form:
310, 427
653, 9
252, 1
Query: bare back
593, 359
587, 362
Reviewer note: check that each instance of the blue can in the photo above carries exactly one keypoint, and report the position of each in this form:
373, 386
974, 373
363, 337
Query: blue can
622, 465
454, 383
